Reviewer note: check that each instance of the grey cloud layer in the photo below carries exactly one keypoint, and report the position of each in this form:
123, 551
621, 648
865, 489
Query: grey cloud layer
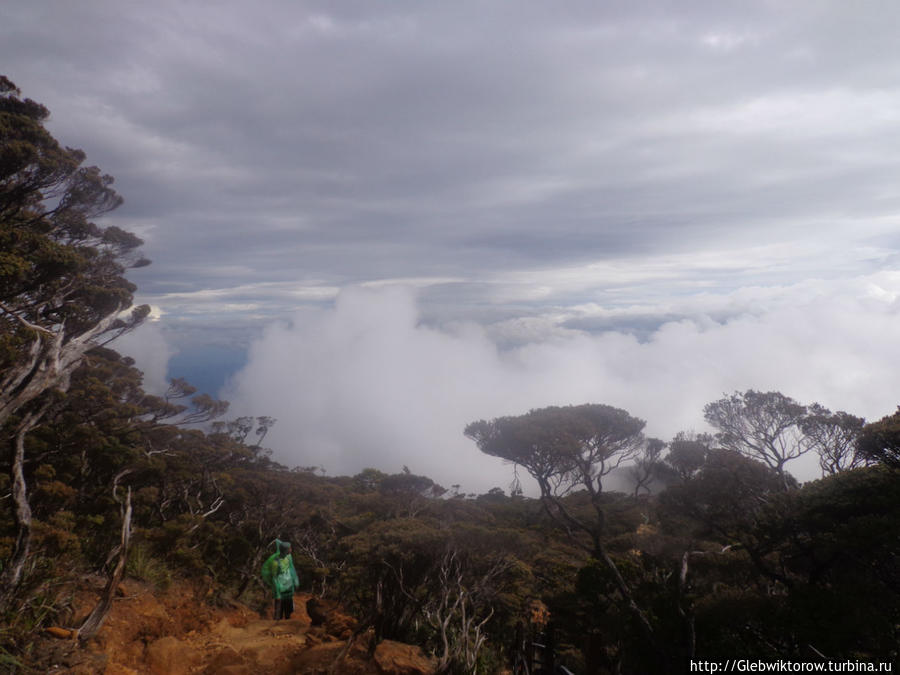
291, 141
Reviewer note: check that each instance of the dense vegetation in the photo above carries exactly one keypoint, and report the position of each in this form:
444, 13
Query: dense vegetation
716, 552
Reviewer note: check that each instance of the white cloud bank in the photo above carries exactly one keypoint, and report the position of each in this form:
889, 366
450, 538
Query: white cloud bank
364, 383
151, 351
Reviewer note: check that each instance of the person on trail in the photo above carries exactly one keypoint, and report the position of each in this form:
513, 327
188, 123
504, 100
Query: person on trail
278, 573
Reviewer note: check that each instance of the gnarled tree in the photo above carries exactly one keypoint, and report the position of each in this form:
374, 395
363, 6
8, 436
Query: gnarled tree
567, 449
648, 466
765, 426
833, 436
687, 454
62, 283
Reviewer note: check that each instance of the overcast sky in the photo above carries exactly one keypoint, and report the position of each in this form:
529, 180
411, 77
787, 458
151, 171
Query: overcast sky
408, 215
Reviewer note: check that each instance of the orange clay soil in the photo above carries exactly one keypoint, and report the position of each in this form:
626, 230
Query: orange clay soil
174, 632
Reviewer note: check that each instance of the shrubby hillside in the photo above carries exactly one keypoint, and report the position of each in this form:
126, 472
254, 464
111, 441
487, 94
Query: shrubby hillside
716, 553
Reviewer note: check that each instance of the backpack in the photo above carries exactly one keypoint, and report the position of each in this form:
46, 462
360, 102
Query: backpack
284, 581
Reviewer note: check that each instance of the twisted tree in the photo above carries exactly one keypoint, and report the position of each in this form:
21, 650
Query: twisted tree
765, 426
62, 279
834, 437
567, 449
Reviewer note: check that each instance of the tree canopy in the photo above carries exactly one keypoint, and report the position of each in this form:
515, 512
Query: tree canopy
563, 448
834, 436
567, 449
762, 425
880, 441
62, 283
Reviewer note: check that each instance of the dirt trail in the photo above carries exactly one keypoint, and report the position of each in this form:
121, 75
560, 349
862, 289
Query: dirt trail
177, 633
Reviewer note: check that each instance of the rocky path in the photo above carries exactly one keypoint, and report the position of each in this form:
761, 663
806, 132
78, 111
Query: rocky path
177, 633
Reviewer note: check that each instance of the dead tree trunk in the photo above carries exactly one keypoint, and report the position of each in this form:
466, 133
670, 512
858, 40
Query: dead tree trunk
49, 362
92, 624
12, 573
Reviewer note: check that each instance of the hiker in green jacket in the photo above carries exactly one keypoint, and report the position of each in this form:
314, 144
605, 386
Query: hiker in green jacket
279, 574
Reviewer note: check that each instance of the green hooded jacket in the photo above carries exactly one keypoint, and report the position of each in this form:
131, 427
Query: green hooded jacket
278, 571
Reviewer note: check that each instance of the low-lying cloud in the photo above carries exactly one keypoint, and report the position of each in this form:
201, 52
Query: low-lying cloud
366, 383
152, 350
